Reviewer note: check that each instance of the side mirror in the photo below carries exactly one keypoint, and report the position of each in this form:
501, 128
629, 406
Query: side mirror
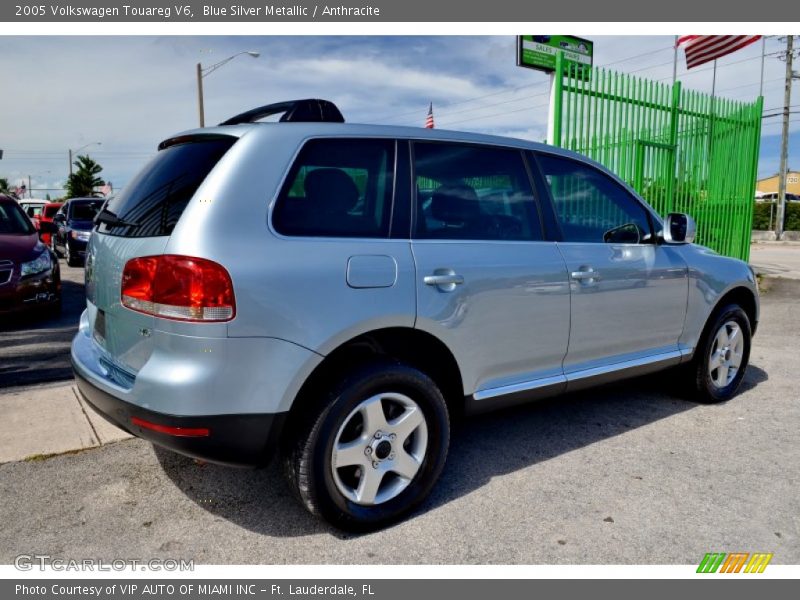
47, 227
679, 229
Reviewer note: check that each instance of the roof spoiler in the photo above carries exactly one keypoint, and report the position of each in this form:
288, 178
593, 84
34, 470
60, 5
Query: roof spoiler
311, 110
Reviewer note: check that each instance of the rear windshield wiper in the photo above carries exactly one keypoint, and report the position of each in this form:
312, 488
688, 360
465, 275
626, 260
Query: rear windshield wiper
109, 218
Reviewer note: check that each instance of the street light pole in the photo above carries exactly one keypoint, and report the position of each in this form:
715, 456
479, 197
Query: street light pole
200, 107
205, 71
71, 152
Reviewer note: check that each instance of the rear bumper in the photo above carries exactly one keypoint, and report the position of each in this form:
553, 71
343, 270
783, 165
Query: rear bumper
240, 440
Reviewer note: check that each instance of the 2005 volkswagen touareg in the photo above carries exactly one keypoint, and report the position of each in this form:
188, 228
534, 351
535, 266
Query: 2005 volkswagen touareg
333, 293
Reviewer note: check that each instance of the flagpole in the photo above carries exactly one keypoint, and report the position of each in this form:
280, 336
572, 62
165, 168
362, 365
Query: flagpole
675, 61
714, 80
763, 54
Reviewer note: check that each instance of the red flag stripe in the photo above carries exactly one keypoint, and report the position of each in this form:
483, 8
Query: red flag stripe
429, 118
728, 50
701, 49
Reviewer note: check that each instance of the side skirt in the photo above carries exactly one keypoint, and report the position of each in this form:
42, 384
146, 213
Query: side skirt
510, 395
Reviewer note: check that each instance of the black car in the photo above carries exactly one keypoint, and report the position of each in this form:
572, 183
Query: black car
73, 226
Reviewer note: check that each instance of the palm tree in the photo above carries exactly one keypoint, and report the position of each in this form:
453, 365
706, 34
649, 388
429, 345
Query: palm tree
85, 179
5, 188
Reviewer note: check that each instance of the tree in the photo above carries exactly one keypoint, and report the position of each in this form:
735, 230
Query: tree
5, 188
85, 178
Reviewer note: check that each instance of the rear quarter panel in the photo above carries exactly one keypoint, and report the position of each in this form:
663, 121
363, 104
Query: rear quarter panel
294, 289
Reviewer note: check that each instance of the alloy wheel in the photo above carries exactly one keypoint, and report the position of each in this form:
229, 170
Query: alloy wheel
726, 354
379, 448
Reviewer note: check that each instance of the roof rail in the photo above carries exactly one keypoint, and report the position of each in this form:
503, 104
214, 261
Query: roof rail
311, 110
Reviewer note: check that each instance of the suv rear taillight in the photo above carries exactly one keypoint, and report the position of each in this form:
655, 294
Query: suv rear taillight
178, 287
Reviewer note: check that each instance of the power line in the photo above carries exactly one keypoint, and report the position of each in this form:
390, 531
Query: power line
629, 72
508, 112
528, 85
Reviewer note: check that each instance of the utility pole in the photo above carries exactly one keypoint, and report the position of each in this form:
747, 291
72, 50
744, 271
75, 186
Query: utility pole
787, 102
70, 161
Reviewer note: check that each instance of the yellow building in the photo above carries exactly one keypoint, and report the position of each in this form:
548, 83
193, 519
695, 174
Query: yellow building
770, 184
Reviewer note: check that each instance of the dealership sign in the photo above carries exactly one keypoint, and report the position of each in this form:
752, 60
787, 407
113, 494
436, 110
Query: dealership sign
539, 51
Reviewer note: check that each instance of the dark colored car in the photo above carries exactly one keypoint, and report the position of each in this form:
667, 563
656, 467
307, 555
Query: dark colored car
46, 216
29, 273
73, 227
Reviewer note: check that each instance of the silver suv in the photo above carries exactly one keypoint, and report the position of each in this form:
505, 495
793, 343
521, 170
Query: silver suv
335, 293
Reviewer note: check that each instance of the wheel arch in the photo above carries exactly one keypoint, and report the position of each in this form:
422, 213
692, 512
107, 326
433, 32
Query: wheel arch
744, 297
414, 347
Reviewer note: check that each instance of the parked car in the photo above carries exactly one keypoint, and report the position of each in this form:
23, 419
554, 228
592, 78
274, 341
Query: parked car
29, 273
46, 215
33, 207
73, 226
284, 288
773, 197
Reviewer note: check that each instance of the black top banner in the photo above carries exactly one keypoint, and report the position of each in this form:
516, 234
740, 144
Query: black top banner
464, 11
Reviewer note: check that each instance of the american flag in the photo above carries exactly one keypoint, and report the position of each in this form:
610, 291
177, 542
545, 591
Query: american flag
429, 118
701, 49
106, 189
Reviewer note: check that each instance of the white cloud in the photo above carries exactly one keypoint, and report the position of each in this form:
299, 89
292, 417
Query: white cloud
131, 92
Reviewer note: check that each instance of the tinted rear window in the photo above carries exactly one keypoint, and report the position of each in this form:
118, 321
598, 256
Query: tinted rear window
84, 211
157, 196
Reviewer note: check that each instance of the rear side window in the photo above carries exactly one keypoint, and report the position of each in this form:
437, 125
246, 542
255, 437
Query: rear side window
338, 188
154, 201
473, 193
33, 210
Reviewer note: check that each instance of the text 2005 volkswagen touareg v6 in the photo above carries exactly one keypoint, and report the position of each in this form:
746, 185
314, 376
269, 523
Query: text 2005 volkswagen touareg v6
333, 293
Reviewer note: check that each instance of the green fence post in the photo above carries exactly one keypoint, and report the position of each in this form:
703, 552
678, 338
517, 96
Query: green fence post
756, 113
674, 116
558, 88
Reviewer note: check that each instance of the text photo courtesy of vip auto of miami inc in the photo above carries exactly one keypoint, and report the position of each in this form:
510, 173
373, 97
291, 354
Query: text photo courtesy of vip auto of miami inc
451, 300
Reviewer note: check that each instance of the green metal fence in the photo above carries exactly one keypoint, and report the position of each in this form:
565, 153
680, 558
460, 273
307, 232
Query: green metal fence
683, 151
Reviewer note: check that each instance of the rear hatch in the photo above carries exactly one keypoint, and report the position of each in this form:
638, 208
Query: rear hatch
135, 223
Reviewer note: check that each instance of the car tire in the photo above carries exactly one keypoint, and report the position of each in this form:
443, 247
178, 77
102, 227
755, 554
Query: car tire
721, 358
53, 246
372, 449
70, 258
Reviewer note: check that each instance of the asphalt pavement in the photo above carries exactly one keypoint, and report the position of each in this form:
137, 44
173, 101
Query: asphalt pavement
34, 349
627, 474
776, 259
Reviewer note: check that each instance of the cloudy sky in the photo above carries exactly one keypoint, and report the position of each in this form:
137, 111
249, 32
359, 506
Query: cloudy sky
131, 92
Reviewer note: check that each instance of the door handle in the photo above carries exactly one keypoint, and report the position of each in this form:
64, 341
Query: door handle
445, 279
585, 275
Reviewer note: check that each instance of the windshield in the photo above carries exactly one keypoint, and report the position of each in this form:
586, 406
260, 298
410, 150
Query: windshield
13, 220
85, 211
